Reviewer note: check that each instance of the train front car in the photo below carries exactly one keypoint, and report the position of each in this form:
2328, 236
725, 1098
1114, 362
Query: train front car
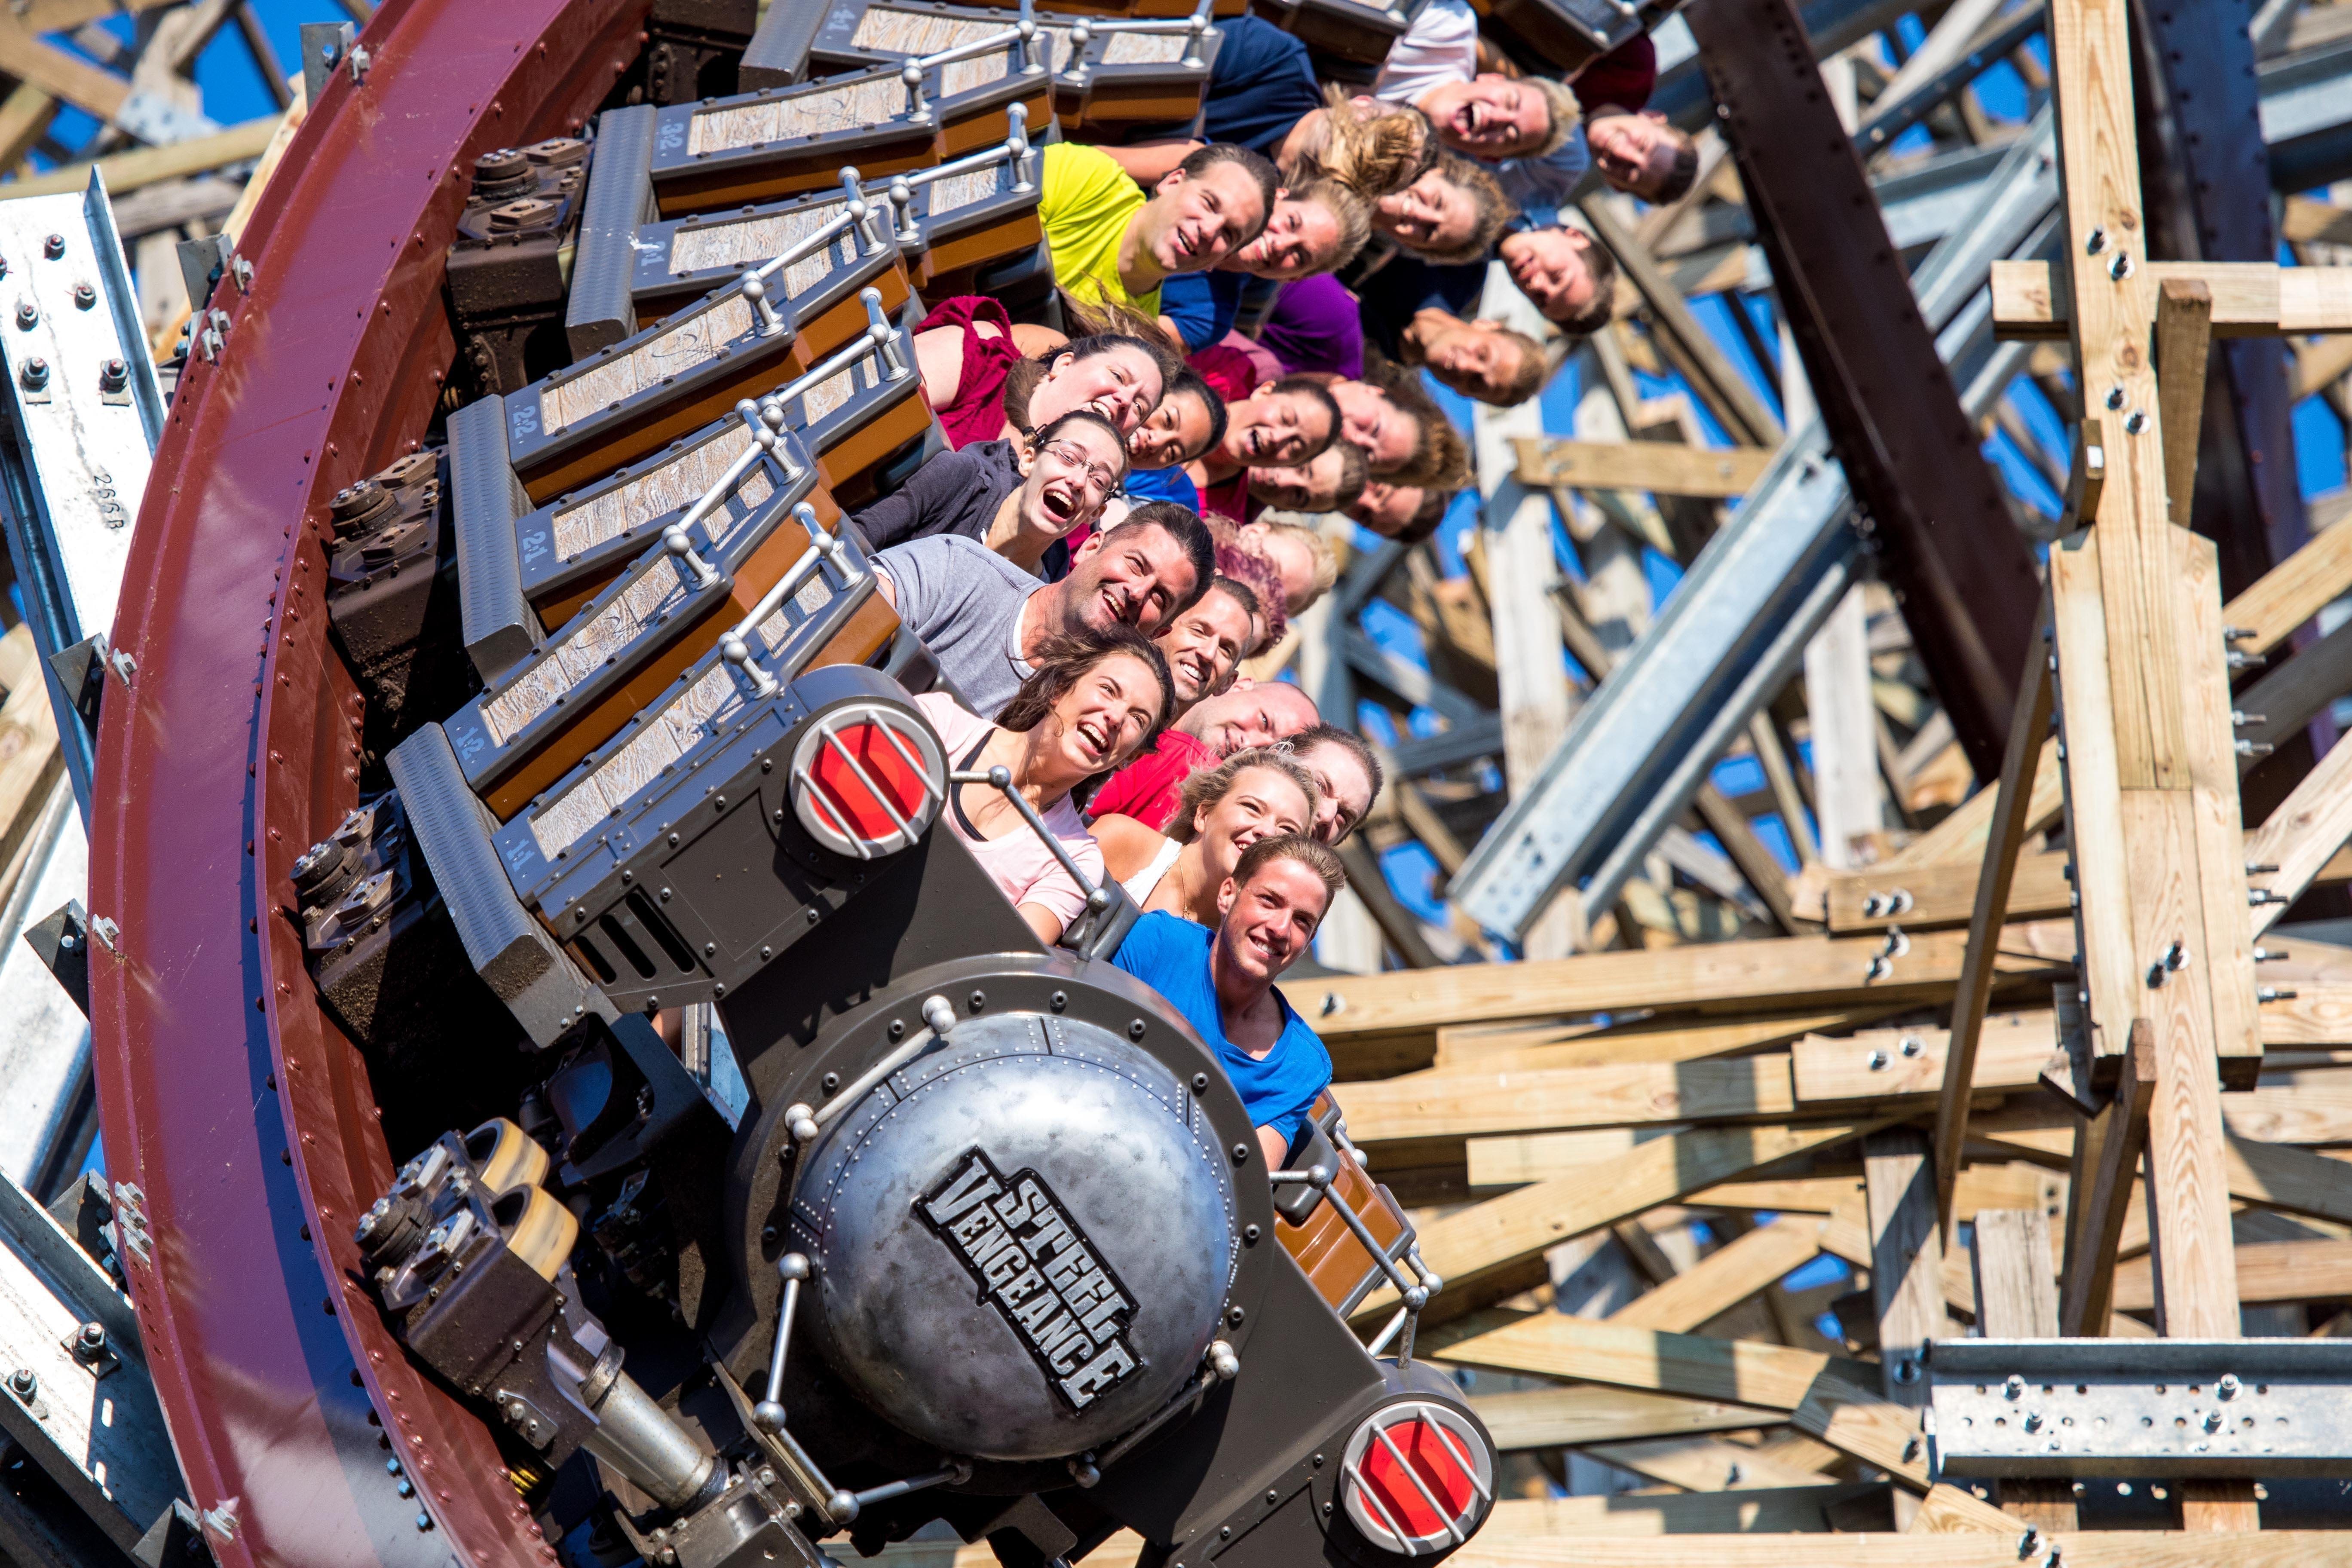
991, 1240
982, 1235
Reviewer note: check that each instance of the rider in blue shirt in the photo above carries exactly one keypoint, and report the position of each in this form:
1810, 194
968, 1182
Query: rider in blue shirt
1222, 981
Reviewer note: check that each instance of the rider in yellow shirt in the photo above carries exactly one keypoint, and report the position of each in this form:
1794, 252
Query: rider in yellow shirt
1112, 242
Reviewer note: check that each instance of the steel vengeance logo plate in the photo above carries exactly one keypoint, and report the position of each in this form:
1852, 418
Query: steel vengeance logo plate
1039, 1270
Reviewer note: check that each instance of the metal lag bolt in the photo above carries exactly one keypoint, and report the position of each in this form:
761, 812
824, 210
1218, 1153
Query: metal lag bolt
2174, 957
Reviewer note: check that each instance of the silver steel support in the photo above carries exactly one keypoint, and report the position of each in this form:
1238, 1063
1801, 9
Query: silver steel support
1733, 632
74, 1394
84, 412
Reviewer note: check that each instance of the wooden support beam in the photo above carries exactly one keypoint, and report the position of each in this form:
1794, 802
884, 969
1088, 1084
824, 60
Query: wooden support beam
1569, 1417
24, 117
1700, 1463
150, 165
2017, 1298
2267, 1271
1919, 898
1404, 1010
1805, 1512
1471, 1103
2251, 298
1906, 1259
1485, 1251
1660, 467
62, 75
2301, 835
1727, 1277
1757, 865
1825, 1397
2013, 803
2106, 1159
2184, 332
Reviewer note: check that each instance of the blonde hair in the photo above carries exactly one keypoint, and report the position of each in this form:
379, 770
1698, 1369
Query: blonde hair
1318, 551
1211, 786
1566, 114
1371, 155
1349, 213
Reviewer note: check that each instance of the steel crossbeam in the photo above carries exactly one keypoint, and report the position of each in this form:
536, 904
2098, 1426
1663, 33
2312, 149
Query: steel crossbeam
1736, 626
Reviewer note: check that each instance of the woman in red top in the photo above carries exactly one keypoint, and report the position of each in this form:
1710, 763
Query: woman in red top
968, 350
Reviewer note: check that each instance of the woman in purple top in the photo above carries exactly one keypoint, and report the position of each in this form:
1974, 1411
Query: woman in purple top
1315, 325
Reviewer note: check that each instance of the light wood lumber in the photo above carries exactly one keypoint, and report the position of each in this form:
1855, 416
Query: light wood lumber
1464, 1104
1826, 1396
2267, 1271
1726, 1277
2083, 1549
2016, 1294
1568, 1417
1658, 467
2005, 838
1484, 1249
2184, 331
149, 165
1906, 1257
2251, 298
1698, 1464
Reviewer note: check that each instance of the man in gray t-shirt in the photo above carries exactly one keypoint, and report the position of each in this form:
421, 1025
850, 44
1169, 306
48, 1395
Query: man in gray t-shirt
981, 616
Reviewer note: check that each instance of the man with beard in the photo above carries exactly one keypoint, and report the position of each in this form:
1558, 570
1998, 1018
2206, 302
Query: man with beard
1215, 728
982, 615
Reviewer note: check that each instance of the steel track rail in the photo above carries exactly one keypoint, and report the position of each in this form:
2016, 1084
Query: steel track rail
239, 1128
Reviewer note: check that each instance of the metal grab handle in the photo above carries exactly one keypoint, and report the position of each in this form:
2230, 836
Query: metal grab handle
1013, 149
735, 647
938, 1021
769, 1412
1098, 899
1416, 1296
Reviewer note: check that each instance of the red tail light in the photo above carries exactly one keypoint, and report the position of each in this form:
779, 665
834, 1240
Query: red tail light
1418, 1478
867, 779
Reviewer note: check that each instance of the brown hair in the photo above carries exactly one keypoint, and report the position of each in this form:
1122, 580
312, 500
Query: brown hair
1348, 740
1058, 666
1494, 211
1096, 329
1441, 457
1210, 785
1294, 847
1436, 502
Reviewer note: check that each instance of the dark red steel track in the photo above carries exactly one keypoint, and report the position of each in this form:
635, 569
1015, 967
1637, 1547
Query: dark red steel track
239, 1118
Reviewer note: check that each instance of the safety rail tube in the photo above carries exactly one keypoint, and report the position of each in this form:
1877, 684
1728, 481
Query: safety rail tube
1001, 777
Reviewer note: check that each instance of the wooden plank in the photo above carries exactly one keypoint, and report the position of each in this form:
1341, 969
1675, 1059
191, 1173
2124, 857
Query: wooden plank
2282, 600
2251, 298
2016, 1294
2029, 725
1801, 1510
30, 759
1893, 1069
1906, 1257
1411, 1005
1826, 1396
1947, 1509
2267, 1271
1565, 1417
1699, 1464
1758, 866
2301, 835
150, 165
2184, 331
1484, 1251
1657, 467
2304, 1107
1926, 897
1668, 1039
2215, 817
2107, 1149
60, 73
1463, 1104
1726, 1277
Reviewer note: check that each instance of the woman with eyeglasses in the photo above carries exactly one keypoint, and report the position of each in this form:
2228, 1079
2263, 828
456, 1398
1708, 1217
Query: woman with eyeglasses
1016, 496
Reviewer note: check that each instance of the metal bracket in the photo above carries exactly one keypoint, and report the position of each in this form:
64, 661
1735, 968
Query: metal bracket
2138, 1407
325, 46
62, 944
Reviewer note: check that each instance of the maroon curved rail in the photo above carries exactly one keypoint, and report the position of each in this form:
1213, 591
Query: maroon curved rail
236, 1118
